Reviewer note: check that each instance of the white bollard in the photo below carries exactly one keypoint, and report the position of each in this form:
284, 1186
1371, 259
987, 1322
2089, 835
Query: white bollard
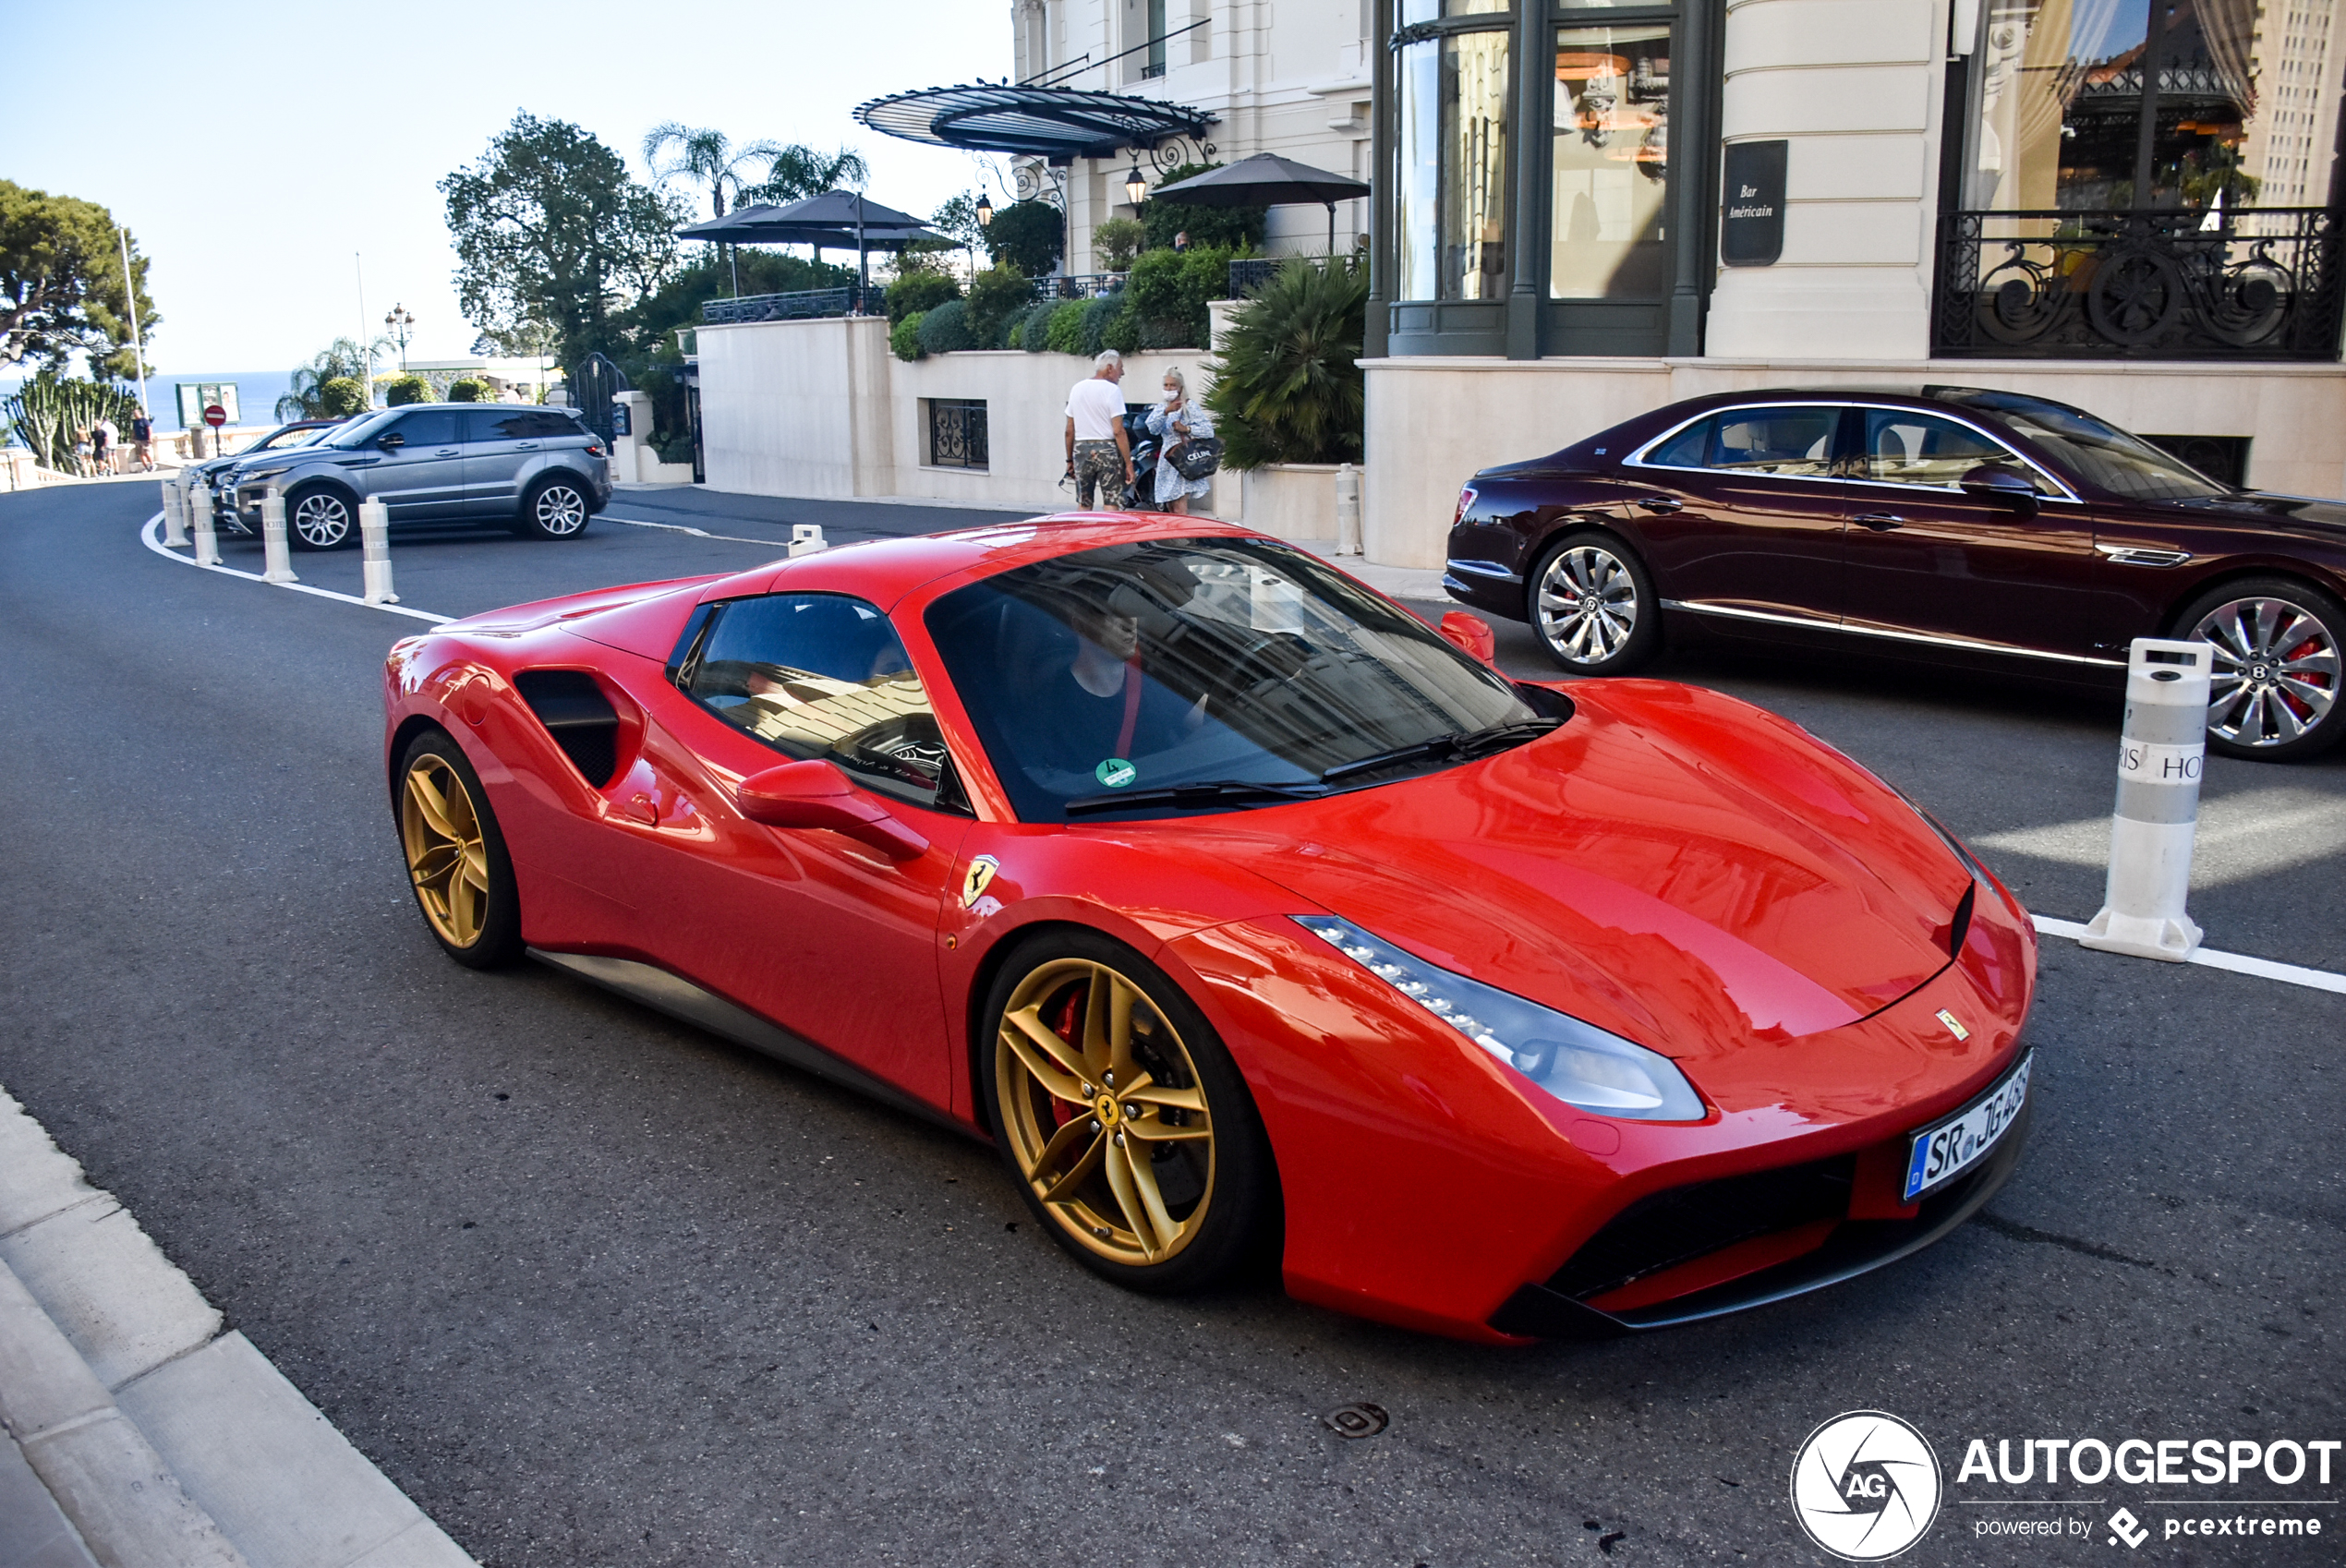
174, 512
2162, 756
276, 557
374, 548
1347, 509
207, 542
806, 538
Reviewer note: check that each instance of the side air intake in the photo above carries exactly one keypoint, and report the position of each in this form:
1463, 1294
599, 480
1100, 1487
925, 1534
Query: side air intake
581, 719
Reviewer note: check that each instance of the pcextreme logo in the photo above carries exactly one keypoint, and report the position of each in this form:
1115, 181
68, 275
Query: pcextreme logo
1865, 1486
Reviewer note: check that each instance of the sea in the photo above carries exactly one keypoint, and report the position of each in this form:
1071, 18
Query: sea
257, 392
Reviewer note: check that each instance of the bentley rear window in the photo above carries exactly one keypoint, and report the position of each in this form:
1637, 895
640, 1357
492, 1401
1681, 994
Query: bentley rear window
823, 675
1784, 443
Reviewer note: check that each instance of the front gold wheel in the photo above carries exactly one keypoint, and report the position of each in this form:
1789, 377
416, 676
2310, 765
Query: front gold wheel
1104, 1113
456, 861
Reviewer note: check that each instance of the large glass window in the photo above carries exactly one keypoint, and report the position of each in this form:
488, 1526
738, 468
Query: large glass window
1610, 164
2102, 105
1451, 206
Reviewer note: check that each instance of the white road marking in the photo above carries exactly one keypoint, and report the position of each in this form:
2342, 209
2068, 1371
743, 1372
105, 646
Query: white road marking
2239, 964
2241, 837
697, 533
152, 537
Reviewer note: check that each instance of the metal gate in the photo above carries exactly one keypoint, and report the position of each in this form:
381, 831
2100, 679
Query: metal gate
594, 382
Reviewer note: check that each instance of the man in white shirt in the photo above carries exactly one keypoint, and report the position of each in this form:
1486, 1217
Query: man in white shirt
1098, 448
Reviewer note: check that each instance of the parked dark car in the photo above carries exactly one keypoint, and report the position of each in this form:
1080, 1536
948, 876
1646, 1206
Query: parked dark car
536, 471
1956, 526
285, 438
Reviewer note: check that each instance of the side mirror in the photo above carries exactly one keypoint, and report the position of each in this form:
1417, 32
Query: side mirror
816, 794
392, 439
2000, 485
1470, 635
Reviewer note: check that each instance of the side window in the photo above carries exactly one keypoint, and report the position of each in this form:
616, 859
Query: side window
1687, 448
824, 675
1784, 443
1904, 448
429, 427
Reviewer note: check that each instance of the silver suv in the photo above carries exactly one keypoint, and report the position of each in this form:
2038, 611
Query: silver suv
536, 471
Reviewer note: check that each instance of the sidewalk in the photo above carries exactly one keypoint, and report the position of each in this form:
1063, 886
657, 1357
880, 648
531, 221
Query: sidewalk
137, 1435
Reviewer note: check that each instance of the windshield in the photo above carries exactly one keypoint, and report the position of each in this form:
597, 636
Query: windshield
1241, 669
2102, 454
361, 431
287, 437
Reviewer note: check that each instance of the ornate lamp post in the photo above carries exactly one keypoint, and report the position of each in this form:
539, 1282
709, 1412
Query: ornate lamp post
401, 325
1136, 185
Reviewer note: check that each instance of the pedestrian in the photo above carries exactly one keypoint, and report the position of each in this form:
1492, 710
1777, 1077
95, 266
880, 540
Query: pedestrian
142, 439
83, 466
1176, 422
105, 438
1181, 241
1098, 449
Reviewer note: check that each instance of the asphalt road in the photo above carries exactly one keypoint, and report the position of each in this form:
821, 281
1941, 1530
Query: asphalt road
599, 1289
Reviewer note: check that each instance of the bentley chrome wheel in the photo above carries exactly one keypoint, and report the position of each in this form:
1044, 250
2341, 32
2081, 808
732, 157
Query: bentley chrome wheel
320, 520
2275, 669
447, 850
1104, 1112
1587, 604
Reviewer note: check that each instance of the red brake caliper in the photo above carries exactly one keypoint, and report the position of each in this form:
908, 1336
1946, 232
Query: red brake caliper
1066, 1026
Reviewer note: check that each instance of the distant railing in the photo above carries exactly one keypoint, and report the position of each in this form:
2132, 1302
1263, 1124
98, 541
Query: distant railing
806, 305
2166, 285
1078, 285
1251, 272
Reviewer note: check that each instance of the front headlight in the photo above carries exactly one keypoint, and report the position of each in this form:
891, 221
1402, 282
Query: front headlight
247, 476
1579, 1063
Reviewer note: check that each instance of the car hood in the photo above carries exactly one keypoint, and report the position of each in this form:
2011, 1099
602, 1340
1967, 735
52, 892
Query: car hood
1673, 865
2260, 507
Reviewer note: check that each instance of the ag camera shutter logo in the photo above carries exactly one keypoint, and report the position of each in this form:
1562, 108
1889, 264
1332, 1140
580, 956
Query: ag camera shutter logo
1865, 1486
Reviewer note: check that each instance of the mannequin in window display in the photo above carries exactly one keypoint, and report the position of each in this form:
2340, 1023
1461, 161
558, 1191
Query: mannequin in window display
1612, 163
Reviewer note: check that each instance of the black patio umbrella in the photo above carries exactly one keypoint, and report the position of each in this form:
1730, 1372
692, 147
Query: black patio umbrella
1266, 180
839, 218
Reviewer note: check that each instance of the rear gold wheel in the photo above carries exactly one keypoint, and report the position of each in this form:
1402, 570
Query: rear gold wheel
456, 861
1121, 1117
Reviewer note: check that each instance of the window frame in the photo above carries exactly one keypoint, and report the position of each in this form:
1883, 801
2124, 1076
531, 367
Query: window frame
1637, 458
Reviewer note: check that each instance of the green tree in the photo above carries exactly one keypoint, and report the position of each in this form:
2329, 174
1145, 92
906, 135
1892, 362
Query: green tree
1029, 236
342, 397
471, 389
1236, 227
548, 226
798, 171
62, 289
1287, 386
342, 360
996, 294
404, 389
1115, 241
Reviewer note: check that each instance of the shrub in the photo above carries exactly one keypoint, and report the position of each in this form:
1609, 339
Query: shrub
1288, 384
341, 395
406, 390
904, 338
1097, 313
996, 295
471, 389
1029, 236
1066, 335
1035, 327
1170, 290
1116, 241
1122, 333
1226, 226
946, 329
916, 291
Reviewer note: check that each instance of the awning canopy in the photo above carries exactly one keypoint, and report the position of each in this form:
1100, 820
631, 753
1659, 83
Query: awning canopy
830, 219
1057, 123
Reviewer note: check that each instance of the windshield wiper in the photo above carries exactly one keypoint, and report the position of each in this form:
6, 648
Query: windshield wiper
1206, 792
1462, 746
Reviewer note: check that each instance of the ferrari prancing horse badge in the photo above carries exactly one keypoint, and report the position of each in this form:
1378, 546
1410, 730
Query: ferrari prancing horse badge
973, 881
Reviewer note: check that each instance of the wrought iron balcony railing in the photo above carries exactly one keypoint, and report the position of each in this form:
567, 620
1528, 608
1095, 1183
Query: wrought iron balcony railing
2242, 284
957, 433
807, 304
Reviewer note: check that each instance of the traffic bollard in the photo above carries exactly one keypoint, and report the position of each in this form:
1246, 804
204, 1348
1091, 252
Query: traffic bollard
174, 512
1347, 509
207, 542
2162, 756
374, 541
806, 538
276, 558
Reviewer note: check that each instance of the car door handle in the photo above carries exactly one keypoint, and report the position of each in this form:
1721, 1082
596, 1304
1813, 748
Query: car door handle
1663, 503
448, 452
1879, 521
525, 446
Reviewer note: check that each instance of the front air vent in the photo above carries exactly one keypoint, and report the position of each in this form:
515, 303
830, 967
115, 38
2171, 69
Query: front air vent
581, 719
1681, 1223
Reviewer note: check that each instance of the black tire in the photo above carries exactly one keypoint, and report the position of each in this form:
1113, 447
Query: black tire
1223, 1202
2279, 644
556, 508
321, 517
478, 925
1592, 604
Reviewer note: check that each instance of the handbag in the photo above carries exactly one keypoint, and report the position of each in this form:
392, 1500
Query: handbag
1197, 458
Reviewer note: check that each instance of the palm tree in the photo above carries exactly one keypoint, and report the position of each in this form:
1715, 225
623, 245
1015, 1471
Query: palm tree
707, 156
800, 172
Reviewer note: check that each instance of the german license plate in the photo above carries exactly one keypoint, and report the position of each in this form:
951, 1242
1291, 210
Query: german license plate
1941, 1152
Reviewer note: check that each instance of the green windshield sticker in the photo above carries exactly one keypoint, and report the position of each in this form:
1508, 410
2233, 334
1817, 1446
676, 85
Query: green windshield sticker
1115, 772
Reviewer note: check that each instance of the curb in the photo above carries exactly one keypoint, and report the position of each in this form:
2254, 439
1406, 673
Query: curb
138, 1435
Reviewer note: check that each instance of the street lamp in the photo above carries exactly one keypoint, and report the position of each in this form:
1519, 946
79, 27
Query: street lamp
1136, 185
984, 211
401, 325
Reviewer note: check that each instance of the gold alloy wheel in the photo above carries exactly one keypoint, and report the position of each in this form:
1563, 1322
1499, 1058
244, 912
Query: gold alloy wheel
447, 853
1104, 1111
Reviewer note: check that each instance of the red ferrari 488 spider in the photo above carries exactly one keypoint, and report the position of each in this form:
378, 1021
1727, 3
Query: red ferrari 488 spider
1241, 910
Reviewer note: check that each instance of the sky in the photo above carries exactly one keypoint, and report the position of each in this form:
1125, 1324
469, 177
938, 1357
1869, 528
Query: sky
257, 152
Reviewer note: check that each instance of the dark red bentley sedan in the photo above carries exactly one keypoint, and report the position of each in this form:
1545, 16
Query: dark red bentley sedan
1958, 526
